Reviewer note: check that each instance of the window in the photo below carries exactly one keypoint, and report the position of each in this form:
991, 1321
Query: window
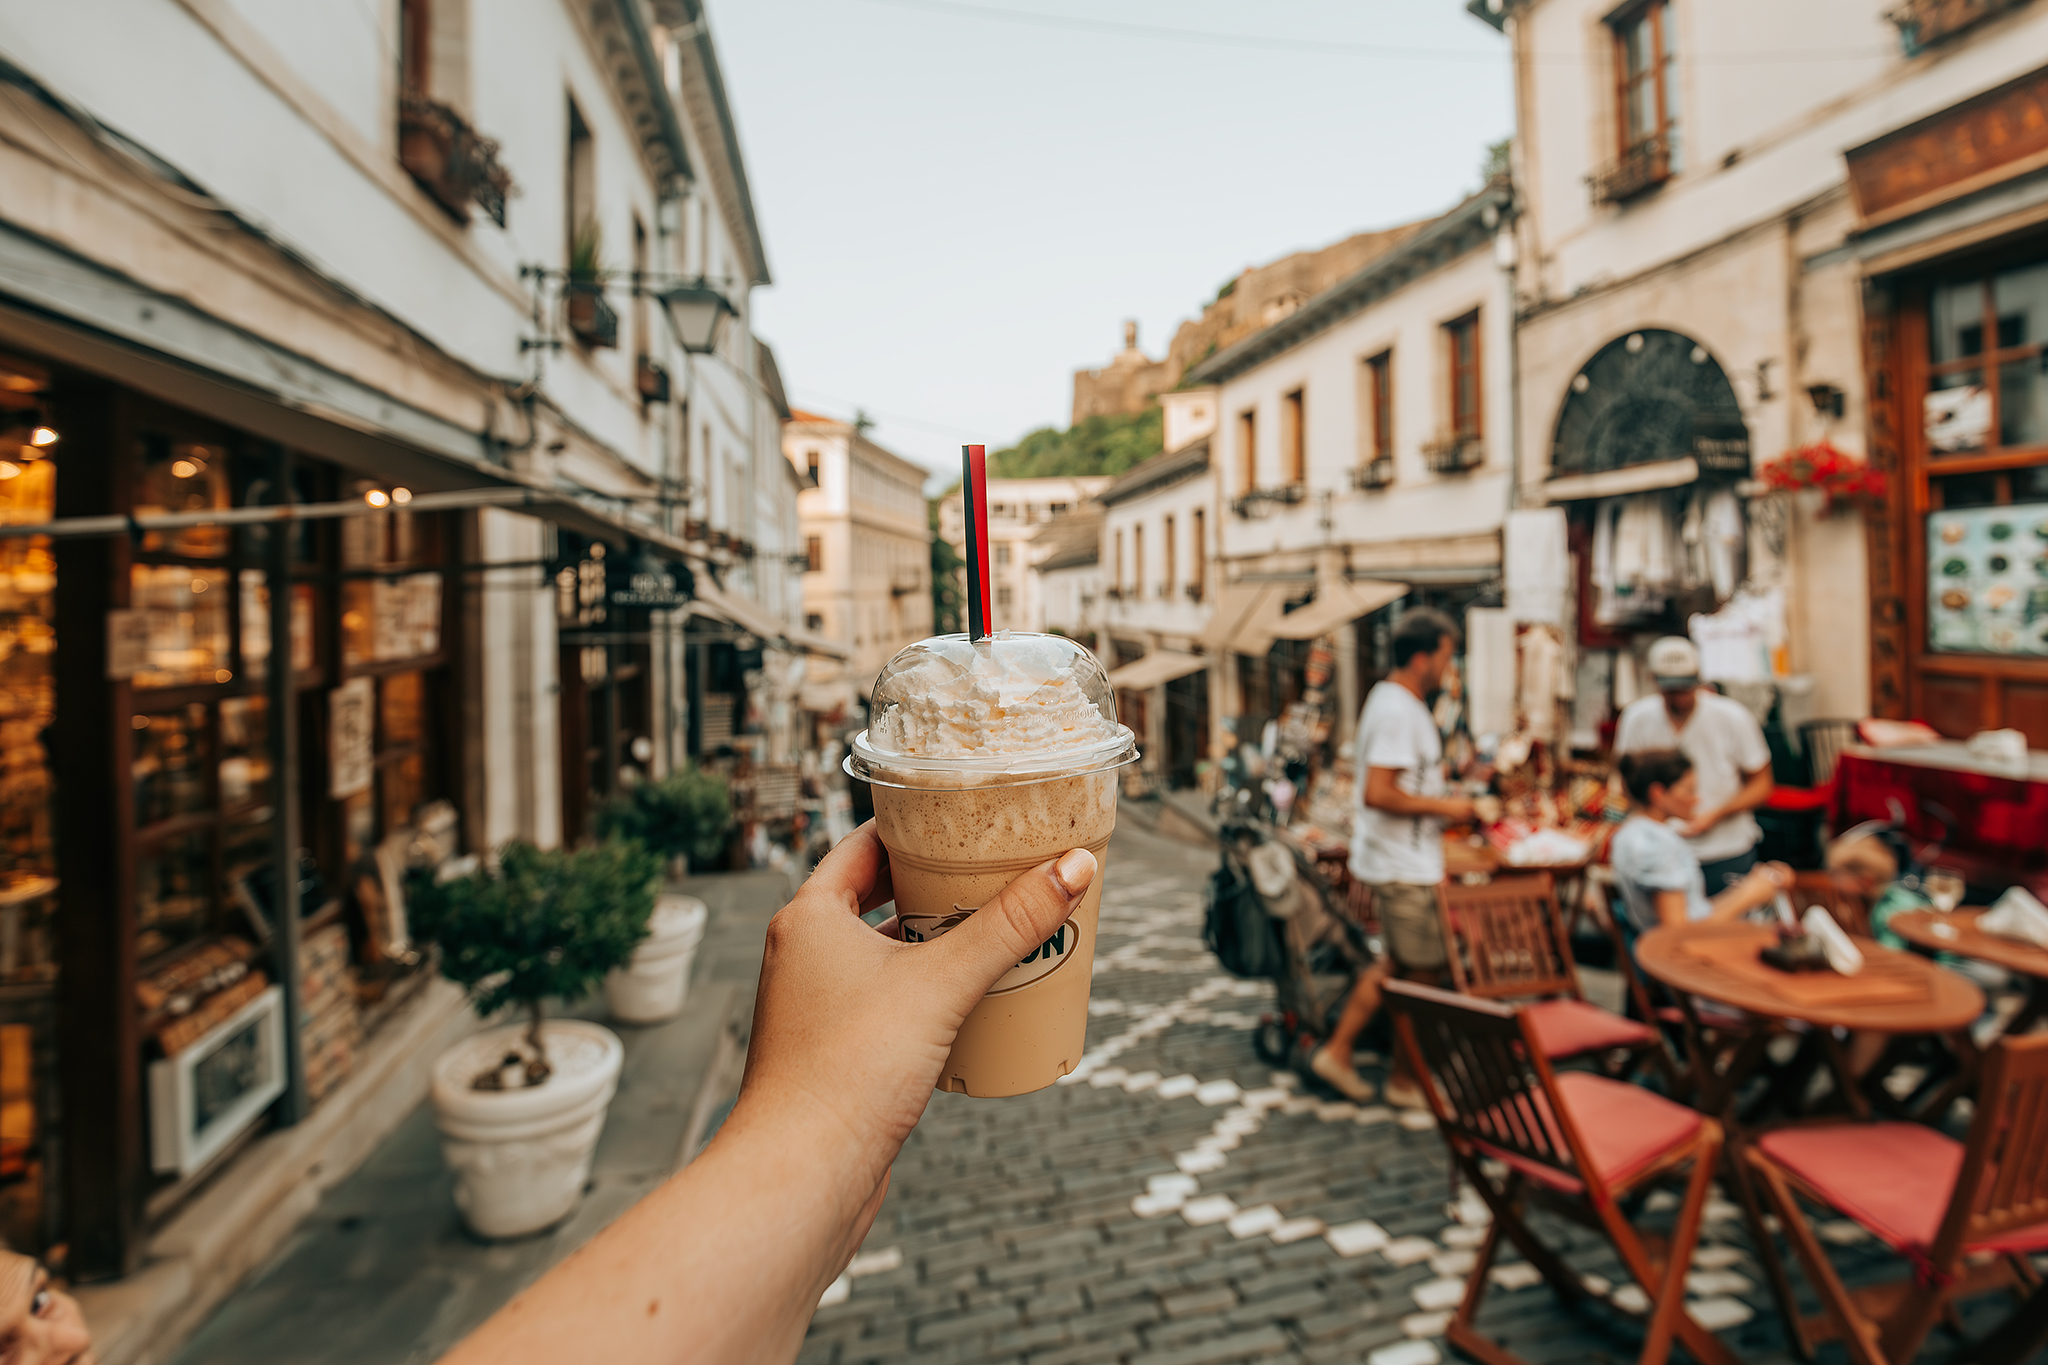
1166, 583
642, 336
1647, 94
814, 554
1004, 597
1117, 565
1379, 396
999, 509
581, 177
1002, 553
1461, 340
1137, 561
813, 621
1247, 451
415, 47
1056, 508
1293, 441
1198, 560
1987, 389
811, 466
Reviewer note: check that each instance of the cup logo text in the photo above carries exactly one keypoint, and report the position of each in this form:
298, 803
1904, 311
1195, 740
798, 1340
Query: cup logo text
1037, 964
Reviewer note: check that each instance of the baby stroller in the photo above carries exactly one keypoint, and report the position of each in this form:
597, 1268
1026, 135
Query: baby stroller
1272, 916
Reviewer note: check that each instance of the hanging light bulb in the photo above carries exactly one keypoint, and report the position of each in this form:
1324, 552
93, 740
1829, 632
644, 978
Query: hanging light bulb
43, 436
377, 497
401, 496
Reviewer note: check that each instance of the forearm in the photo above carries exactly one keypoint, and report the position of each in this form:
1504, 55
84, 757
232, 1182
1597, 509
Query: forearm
1405, 803
722, 1263
1755, 790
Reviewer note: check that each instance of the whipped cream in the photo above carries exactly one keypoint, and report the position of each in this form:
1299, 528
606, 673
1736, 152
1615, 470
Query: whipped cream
1013, 694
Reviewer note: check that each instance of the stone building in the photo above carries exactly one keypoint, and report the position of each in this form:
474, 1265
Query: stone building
866, 555
1018, 509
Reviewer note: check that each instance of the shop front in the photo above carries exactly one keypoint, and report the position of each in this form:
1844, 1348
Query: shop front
1955, 254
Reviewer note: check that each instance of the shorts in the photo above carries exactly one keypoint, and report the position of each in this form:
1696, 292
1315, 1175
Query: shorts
1409, 921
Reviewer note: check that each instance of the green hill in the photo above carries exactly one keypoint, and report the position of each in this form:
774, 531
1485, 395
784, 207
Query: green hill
1097, 445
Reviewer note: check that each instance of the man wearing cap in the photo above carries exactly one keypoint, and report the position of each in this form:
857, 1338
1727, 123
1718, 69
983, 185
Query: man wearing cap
1727, 750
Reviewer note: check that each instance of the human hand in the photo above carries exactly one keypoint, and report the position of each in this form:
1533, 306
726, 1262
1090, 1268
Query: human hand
1699, 825
852, 1026
1778, 876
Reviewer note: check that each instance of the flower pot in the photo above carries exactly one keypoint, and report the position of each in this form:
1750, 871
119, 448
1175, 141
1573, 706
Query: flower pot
653, 986
521, 1157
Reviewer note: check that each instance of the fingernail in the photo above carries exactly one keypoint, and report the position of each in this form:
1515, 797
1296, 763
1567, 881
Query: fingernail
1075, 870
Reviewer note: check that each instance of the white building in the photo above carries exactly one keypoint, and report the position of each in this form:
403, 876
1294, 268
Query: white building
1017, 508
409, 266
1719, 266
1157, 548
1364, 438
1066, 559
867, 555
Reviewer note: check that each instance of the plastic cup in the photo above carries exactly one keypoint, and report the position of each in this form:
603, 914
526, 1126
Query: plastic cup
988, 758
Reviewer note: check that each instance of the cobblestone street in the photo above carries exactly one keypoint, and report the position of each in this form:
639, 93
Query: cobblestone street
1177, 1203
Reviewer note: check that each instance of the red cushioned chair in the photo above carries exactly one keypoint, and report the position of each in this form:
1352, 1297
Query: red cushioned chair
1578, 1141
1506, 940
1965, 1214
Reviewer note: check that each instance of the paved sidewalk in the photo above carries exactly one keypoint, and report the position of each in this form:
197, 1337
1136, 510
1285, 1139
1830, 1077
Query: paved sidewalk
383, 1272
1063, 1228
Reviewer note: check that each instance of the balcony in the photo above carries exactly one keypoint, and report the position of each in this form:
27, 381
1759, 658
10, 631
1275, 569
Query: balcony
1260, 502
1923, 23
1374, 473
905, 581
594, 321
1641, 169
453, 162
1194, 592
651, 378
1453, 454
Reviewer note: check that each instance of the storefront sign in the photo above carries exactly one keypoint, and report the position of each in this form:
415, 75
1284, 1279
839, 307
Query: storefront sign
1987, 572
351, 720
406, 616
1990, 138
127, 642
646, 582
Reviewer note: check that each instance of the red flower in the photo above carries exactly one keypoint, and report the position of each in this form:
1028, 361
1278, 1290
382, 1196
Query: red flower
1839, 475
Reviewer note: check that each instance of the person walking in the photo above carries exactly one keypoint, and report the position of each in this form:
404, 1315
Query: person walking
1400, 808
1730, 760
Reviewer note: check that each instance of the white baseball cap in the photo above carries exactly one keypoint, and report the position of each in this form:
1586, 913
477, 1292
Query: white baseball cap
1674, 663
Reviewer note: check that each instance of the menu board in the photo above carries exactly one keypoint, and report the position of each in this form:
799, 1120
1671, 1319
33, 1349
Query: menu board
1987, 580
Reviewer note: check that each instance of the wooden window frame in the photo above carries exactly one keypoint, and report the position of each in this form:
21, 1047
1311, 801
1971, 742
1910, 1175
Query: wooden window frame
814, 554
1138, 560
1170, 570
1901, 371
1294, 435
1248, 450
1379, 387
1657, 15
1198, 562
1457, 370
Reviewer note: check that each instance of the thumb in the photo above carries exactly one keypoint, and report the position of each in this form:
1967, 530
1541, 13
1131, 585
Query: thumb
1003, 932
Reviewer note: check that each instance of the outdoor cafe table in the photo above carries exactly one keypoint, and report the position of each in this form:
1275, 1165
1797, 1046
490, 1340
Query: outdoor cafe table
1895, 993
1957, 932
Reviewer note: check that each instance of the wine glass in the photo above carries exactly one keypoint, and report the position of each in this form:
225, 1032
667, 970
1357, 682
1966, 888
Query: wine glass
1944, 887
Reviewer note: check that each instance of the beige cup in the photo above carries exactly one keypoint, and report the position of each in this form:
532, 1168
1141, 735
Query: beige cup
960, 826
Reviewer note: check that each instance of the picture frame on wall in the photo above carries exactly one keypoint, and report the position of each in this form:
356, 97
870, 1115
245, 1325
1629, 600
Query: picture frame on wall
203, 1097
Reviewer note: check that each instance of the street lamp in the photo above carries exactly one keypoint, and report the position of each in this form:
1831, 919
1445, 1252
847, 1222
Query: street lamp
694, 313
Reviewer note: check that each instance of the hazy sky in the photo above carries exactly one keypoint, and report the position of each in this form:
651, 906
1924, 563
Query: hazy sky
964, 199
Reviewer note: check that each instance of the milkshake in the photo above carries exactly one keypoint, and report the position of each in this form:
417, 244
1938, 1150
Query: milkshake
988, 758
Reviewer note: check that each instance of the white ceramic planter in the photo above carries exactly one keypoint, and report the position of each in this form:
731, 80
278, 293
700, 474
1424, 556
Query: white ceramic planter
655, 983
521, 1157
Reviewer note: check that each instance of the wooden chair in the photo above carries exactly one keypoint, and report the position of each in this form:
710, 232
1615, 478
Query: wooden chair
1964, 1214
1507, 941
1580, 1142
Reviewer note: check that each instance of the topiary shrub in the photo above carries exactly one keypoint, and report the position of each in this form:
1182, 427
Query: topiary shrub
540, 923
685, 815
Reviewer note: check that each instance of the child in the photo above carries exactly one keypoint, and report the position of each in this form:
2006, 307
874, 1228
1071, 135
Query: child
1661, 881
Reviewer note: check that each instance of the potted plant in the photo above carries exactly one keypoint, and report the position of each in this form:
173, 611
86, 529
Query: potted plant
590, 317
680, 819
520, 1107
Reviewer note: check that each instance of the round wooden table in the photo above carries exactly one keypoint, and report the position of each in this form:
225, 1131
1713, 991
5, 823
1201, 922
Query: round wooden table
1957, 932
1925, 997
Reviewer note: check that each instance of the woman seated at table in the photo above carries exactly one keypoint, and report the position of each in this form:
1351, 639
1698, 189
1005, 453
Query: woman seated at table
1661, 881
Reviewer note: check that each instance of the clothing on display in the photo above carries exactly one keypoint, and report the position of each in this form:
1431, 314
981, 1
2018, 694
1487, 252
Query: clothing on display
1650, 546
1542, 666
1736, 643
1536, 564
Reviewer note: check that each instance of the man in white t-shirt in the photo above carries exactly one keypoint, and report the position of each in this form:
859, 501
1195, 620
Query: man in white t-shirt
1728, 753
1399, 809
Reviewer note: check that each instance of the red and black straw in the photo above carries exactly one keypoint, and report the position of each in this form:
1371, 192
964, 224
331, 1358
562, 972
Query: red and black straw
974, 496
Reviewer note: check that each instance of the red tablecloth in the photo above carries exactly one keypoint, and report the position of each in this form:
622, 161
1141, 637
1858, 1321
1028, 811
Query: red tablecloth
1982, 820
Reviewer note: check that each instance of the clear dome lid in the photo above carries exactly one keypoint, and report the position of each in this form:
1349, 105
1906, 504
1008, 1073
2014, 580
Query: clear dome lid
1012, 703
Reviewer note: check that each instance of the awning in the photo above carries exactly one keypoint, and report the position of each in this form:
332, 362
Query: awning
755, 620
1242, 615
1160, 666
1338, 603
1614, 483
